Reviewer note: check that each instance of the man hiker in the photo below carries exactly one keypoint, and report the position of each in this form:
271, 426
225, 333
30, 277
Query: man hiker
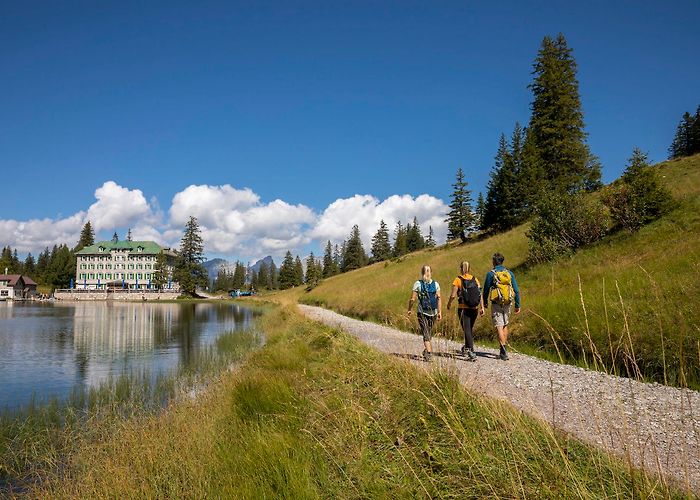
501, 290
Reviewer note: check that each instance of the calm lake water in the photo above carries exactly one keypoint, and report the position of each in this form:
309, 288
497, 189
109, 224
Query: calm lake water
47, 349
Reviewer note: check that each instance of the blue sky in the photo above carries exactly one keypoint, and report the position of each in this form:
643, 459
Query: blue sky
309, 103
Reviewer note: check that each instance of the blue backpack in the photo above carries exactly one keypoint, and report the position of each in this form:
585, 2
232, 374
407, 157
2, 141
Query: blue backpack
427, 296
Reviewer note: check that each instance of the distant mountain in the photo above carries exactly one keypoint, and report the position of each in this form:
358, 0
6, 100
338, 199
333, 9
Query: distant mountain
214, 265
256, 267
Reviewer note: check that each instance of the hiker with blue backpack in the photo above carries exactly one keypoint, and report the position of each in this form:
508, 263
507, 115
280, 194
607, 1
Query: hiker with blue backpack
501, 290
426, 292
467, 289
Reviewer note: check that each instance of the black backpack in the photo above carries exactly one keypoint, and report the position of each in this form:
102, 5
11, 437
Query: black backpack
469, 293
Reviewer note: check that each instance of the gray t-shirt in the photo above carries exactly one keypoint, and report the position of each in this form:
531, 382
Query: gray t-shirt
417, 287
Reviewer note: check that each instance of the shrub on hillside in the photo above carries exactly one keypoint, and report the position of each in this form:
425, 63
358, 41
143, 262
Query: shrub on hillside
638, 197
565, 222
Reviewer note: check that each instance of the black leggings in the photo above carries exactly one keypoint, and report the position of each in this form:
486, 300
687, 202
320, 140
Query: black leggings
467, 318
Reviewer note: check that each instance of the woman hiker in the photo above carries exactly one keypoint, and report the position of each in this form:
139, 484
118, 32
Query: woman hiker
427, 293
471, 303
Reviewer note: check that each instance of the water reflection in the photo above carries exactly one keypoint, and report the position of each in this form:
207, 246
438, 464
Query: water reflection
50, 348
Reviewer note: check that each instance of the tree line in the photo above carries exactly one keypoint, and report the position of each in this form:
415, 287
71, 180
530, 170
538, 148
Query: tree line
686, 142
544, 171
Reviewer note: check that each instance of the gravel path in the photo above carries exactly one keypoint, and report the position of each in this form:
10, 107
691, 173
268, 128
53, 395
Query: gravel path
655, 425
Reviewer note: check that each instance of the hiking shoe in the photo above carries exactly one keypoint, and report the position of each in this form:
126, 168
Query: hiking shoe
463, 351
426, 355
504, 356
471, 355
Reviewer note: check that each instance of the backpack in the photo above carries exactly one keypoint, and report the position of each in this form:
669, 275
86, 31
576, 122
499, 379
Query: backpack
427, 296
469, 293
502, 287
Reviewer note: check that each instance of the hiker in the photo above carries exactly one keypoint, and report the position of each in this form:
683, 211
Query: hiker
426, 292
501, 290
467, 289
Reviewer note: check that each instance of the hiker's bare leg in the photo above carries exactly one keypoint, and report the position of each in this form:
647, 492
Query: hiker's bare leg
428, 346
502, 335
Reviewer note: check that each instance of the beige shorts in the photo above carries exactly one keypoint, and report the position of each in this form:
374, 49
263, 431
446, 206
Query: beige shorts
500, 314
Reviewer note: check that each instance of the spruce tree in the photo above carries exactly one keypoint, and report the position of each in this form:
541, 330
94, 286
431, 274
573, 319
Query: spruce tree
414, 238
29, 267
479, 212
501, 204
330, 267
298, 272
354, 256
312, 276
128, 235
6, 261
160, 273
430, 240
87, 237
337, 258
556, 123
460, 219
239, 272
274, 277
115, 237
189, 271
42, 264
400, 247
381, 246
264, 276
287, 274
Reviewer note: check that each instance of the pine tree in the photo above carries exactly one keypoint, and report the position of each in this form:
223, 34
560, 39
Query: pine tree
264, 277
381, 247
29, 267
87, 237
354, 256
313, 276
42, 264
330, 267
687, 139
254, 280
128, 235
160, 273
298, 272
337, 257
287, 275
6, 261
189, 271
479, 212
239, 272
274, 277
400, 247
460, 219
695, 133
556, 123
115, 237
414, 238
500, 206
430, 240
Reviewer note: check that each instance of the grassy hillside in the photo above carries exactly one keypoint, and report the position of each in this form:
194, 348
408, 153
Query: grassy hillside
314, 414
628, 304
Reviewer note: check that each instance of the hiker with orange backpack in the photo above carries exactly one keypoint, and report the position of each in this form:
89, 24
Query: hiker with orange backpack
501, 290
468, 292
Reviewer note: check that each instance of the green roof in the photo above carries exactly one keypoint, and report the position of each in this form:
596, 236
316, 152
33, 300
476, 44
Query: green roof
149, 247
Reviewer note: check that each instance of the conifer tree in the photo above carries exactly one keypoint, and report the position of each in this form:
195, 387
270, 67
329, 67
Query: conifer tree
687, 139
274, 277
354, 256
400, 247
330, 267
42, 264
189, 271
128, 235
500, 206
414, 238
29, 267
298, 272
287, 275
313, 273
160, 273
239, 272
337, 257
6, 260
479, 212
460, 219
430, 240
115, 237
381, 246
264, 277
556, 123
87, 237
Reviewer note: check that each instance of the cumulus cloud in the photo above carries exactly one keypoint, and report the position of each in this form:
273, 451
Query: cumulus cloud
366, 212
234, 222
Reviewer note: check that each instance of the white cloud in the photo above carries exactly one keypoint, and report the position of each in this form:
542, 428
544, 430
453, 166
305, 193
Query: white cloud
367, 211
234, 222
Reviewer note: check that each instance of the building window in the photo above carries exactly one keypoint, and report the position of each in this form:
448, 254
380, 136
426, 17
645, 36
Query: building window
131, 276
100, 275
92, 276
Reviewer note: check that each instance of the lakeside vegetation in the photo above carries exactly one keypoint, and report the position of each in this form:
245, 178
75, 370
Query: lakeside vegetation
316, 414
625, 304
35, 440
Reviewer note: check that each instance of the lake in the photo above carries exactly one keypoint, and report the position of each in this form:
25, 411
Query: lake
48, 349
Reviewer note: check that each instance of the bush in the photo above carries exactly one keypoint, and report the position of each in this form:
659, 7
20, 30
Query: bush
566, 222
638, 197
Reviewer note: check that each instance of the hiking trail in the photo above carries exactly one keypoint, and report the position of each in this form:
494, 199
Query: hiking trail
653, 425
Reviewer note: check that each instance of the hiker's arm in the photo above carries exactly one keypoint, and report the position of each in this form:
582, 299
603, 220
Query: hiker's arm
414, 297
481, 305
439, 297
517, 292
487, 288
452, 297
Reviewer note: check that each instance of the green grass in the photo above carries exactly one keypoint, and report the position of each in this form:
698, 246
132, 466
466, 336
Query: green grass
315, 414
627, 305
